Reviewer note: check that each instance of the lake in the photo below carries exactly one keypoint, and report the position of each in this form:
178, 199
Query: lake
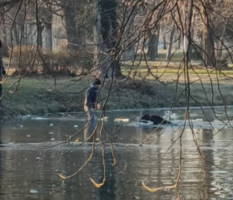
31, 156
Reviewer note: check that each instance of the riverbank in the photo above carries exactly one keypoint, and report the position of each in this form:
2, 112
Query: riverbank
47, 95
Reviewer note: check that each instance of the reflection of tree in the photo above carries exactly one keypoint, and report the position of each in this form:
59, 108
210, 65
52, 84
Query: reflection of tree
218, 160
94, 169
107, 191
207, 136
25, 170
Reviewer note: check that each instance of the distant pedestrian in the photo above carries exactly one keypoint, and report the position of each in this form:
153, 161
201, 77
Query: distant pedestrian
2, 72
91, 104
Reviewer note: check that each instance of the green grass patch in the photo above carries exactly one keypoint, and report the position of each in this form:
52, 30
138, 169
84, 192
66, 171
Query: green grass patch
47, 95
39, 95
165, 71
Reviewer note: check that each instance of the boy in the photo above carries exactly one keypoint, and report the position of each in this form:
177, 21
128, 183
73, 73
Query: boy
90, 105
2, 72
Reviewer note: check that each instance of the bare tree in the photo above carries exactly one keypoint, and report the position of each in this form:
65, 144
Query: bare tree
45, 18
188, 19
107, 38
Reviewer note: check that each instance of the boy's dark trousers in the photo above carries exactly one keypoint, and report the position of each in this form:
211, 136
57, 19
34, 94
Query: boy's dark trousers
0, 90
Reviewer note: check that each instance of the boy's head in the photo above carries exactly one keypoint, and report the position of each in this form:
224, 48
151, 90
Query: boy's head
97, 82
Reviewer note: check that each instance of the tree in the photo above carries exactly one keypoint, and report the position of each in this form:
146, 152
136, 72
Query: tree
112, 37
106, 34
171, 36
153, 40
208, 36
45, 18
74, 34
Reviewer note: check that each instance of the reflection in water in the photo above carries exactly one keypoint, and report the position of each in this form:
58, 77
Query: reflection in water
207, 135
81, 186
107, 191
27, 172
23, 173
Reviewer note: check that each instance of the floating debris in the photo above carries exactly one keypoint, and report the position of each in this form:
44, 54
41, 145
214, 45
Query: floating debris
147, 123
77, 140
75, 126
52, 139
28, 136
25, 117
51, 133
38, 158
51, 124
21, 126
121, 120
104, 118
32, 191
39, 118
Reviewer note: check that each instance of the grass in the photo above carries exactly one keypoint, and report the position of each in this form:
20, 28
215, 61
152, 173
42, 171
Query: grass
45, 95
176, 71
140, 66
40, 96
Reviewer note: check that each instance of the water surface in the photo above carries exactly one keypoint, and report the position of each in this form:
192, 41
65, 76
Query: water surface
29, 166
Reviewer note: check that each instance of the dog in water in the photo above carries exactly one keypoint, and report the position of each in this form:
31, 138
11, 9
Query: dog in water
154, 118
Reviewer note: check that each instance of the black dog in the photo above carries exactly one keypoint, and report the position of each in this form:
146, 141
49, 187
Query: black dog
154, 118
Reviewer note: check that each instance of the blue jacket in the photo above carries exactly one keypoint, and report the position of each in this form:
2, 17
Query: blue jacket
91, 96
2, 68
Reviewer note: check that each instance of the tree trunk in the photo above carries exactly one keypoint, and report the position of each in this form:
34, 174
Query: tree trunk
73, 32
48, 38
164, 42
29, 34
106, 35
179, 42
208, 48
190, 53
98, 40
220, 42
157, 43
187, 46
209, 59
153, 45
169, 50
15, 35
23, 34
4, 49
129, 38
40, 28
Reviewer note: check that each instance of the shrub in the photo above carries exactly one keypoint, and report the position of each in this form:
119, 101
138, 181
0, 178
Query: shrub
25, 60
63, 63
29, 60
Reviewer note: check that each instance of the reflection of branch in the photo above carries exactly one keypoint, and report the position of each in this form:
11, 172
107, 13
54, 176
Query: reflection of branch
85, 163
174, 186
110, 142
199, 150
98, 185
159, 188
